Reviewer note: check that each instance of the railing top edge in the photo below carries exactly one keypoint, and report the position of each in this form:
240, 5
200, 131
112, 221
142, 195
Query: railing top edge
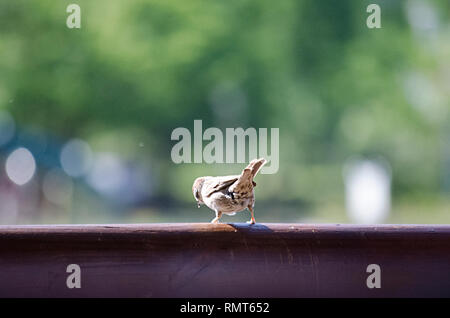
225, 227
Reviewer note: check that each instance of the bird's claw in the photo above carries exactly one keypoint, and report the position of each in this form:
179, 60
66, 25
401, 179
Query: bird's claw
251, 222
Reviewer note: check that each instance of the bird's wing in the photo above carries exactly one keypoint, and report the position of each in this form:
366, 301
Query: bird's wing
220, 183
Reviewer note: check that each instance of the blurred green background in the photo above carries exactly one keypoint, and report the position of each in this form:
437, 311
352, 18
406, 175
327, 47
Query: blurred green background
86, 114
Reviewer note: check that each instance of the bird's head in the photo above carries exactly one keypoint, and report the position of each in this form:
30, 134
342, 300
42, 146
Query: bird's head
197, 190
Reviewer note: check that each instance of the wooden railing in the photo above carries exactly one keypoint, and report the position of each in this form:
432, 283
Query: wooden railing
225, 260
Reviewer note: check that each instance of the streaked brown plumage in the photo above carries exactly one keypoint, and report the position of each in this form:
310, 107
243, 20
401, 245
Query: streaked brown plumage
228, 194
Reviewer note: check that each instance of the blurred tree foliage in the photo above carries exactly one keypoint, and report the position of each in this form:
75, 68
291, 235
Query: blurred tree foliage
138, 69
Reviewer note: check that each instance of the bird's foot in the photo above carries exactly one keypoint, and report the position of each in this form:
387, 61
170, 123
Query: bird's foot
251, 221
215, 221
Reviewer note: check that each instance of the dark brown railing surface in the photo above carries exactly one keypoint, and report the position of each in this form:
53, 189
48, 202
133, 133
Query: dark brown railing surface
225, 260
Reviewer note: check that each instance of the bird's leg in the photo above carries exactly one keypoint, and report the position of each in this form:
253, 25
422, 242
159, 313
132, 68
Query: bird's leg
218, 216
252, 220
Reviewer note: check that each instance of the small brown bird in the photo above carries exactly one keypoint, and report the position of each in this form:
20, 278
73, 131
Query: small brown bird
228, 194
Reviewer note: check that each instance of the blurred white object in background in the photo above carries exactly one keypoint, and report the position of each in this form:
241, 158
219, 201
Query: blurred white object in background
20, 166
76, 157
367, 190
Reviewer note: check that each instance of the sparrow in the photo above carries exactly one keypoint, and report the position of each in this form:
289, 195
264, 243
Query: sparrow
229, 194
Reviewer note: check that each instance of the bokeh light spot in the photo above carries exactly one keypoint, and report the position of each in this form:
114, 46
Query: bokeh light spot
108, 175
76, 158
20, 166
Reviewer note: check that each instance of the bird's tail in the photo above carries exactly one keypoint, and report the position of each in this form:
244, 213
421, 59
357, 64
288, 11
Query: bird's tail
245, 181
255, 165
